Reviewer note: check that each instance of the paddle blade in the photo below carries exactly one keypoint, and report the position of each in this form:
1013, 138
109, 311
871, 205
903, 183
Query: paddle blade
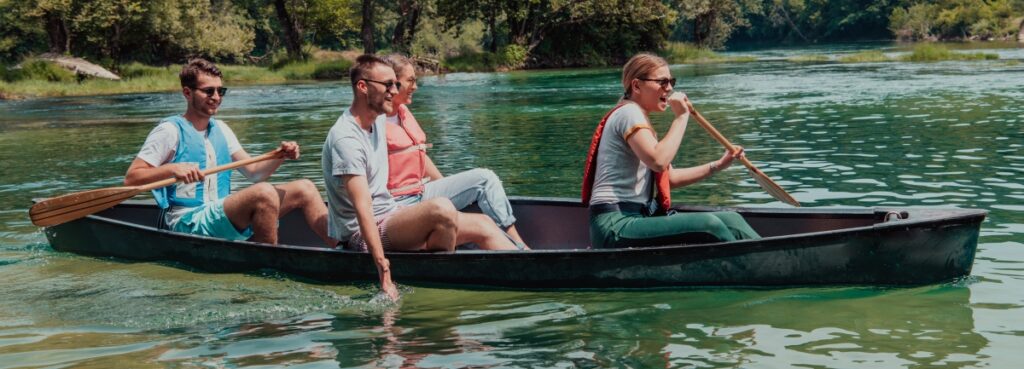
771, 187
69, 207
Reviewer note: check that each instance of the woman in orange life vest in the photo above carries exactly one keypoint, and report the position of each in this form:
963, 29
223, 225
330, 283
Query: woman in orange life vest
413, 177
626, 162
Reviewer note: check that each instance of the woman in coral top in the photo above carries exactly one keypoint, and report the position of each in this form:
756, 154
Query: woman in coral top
413, 177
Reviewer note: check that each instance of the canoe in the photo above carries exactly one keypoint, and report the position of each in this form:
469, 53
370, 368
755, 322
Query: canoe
801, 247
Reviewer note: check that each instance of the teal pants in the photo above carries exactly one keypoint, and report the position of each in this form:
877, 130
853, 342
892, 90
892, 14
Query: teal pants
625, 229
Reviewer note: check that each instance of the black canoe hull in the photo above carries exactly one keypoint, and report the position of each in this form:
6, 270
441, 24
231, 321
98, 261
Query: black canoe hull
801, 247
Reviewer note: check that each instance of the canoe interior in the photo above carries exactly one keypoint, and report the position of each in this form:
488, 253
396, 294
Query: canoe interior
565, 224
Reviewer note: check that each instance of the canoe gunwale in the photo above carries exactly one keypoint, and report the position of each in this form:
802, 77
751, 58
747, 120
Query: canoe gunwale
962, 216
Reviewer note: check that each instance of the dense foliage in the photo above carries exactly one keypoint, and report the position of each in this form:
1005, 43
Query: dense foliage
492, 33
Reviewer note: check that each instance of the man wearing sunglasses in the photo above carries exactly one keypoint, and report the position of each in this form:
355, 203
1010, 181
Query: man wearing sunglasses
363, 214
182, 146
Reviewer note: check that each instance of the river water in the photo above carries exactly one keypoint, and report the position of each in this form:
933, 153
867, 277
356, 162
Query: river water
945, 134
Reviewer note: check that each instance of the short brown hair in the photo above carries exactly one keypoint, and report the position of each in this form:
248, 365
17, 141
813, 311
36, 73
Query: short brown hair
361, 69
190, 72
639, 66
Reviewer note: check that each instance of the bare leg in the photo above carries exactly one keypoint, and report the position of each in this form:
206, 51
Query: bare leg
257, 206
430, 225
303, 194
481, 230
512, 232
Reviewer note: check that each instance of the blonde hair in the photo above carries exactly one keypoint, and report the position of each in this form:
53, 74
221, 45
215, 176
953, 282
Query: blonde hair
398, 61
639, 66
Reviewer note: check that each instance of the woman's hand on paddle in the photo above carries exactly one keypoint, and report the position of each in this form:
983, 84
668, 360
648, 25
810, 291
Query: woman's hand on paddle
289, 150
186, 172
727, 158
678, 102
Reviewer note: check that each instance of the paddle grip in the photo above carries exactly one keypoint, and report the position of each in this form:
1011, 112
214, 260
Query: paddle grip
276, 154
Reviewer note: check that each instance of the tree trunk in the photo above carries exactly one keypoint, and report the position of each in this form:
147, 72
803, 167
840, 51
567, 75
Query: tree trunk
292, 33
398, 39
405, 28
57, 32
492, 27
414, 21
785, 14
1020, 34
367, 31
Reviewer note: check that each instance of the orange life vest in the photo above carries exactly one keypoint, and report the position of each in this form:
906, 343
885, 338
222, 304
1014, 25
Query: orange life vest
407, 154
661, 179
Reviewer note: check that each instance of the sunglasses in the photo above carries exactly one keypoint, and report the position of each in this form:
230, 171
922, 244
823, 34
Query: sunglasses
388, 84
664, 82
210, 90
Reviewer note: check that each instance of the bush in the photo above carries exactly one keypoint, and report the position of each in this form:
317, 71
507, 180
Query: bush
39, 70
470, 62
512, 56
333, 70
138, 70
914, 23
678, 52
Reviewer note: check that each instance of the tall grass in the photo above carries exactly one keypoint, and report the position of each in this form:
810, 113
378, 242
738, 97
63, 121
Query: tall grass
686, 53
869, 56
934, 53
808, 58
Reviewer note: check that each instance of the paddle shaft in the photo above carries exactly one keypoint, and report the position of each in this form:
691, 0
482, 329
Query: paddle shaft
214, 170
61, 209
762, 179
719, 137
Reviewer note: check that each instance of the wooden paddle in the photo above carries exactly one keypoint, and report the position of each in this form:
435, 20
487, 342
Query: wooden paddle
62, 209
766, 183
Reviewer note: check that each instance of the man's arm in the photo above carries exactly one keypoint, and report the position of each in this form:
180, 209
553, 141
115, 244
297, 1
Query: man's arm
359, 190
259, 172
140, 172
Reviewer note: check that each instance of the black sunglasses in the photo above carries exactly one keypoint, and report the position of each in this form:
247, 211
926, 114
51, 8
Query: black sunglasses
388, 84
210, 90
664, 82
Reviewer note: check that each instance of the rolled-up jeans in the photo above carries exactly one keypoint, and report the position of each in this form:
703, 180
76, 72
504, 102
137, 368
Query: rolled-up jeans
463, 189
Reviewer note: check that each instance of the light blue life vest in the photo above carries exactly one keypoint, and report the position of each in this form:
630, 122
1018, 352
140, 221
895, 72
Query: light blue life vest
192, 149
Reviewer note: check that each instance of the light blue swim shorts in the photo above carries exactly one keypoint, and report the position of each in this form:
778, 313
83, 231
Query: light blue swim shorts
210, 220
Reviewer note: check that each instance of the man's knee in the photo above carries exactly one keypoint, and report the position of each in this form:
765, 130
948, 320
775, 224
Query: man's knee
265, 196
308, 189
441, 211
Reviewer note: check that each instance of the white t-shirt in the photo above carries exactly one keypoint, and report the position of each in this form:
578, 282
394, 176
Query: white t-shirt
392, 120
621, 176
159, 149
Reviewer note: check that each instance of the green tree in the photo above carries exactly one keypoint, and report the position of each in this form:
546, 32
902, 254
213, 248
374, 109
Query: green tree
710, 23
104, 25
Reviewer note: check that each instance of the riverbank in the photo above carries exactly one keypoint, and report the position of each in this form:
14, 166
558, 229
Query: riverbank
43, 81
139, 78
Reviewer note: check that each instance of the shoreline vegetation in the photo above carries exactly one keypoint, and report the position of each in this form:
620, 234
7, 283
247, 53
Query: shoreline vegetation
36, 79
284, 41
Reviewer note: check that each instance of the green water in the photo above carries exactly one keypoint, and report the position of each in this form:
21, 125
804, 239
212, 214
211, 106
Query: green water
885, 134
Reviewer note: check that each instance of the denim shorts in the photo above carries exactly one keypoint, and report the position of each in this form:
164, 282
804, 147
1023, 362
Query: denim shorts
210, 220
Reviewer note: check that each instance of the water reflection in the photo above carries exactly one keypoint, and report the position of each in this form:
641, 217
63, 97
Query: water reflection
723, 328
